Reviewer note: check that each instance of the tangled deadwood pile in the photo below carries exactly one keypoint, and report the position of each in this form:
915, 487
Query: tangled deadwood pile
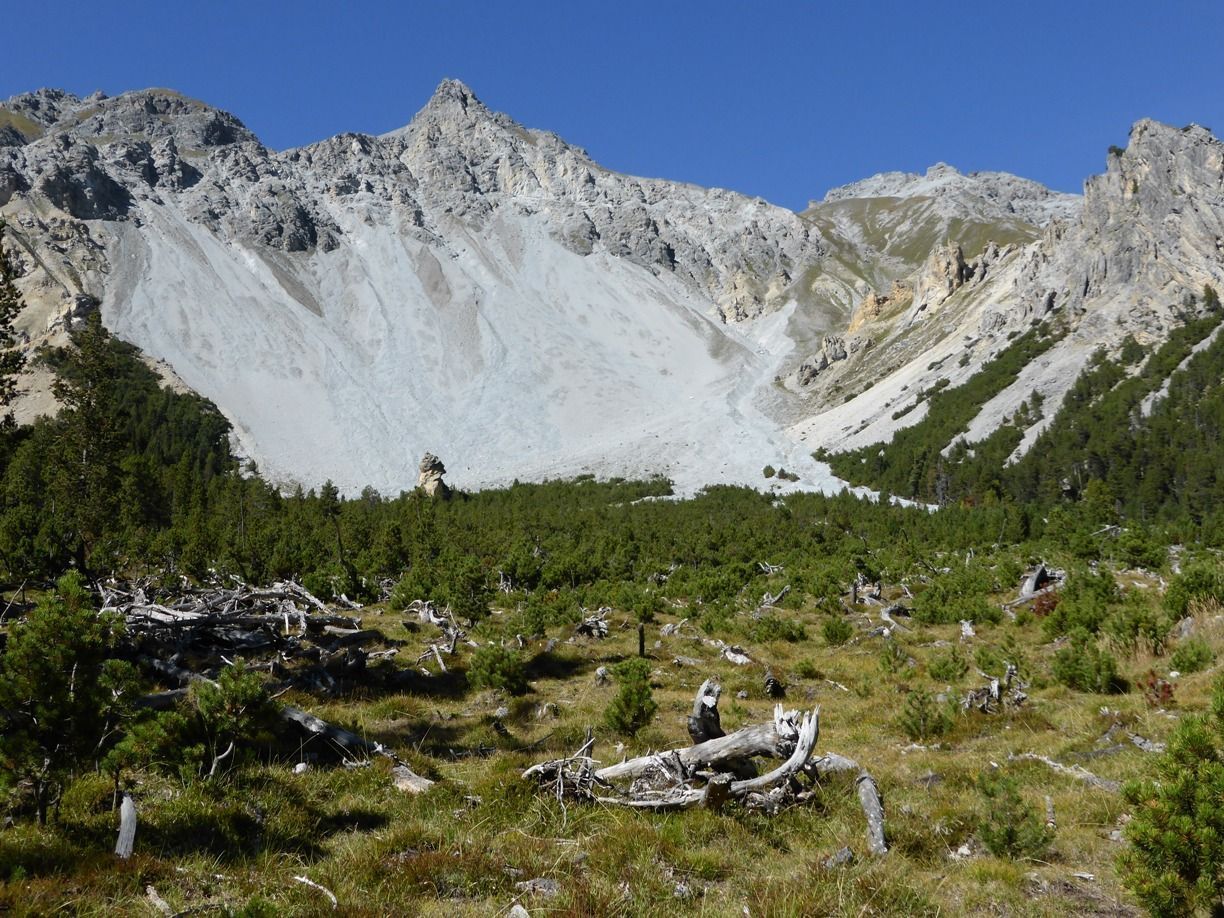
718, 770
187, 634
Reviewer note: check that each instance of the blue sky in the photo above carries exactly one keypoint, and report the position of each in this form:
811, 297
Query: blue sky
783, 100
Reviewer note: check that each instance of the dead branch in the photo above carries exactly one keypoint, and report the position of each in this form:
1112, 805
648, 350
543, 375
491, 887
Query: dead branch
868, 794
1075, 771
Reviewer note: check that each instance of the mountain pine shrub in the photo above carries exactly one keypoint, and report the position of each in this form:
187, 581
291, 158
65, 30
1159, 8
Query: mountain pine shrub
924, 717
1174, 863
633, 706
1008, 826
499, 668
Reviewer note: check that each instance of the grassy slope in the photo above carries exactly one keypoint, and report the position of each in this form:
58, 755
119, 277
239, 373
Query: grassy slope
459, 849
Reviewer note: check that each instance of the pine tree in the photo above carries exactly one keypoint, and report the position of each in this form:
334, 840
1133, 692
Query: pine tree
12, 360
85, 475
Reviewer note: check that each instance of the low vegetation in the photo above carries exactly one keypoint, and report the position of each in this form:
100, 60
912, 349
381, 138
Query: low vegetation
1052, 753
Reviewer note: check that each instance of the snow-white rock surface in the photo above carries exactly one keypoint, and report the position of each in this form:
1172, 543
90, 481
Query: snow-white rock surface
488, 293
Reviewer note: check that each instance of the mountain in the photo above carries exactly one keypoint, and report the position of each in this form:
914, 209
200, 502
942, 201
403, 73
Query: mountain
489, 293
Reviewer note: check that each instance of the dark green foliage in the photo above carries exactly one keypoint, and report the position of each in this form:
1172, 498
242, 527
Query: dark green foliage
11, 358
1159, 466
772, 627
235, 713
499, 668
1192, 655
1174, 863
948, 667
836, 630
924, 717
1211, 299
1136, 624
1203, 581
911, 463
893, 656
1083, 603
633, 706
769, 471
1085, 666
959, 595
1008, 826
56, 698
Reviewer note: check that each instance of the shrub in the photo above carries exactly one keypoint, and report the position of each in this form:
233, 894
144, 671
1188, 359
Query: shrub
959, 595
769, 471
1085, 602
633, 706
1008, 826
806, 669
236, 713
1084, 666
1174, 862
1137, 624
1200, 581
924, 717
893, 657
55, 700
1192, 655
776, 628
836, 631
949, 667
499, 668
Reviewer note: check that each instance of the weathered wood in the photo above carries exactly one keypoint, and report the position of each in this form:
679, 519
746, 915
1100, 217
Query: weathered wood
704, 723
683, 797
717, 792
1075, 771
868, 794
127, 828
768, 739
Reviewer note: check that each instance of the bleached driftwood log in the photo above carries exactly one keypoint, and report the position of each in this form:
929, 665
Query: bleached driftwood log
681, 795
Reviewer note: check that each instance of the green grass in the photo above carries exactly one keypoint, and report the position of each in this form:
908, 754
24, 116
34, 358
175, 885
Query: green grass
460, 848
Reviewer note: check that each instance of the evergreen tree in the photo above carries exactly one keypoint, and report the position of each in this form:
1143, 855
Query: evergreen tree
84, 482
11, 359
56, 690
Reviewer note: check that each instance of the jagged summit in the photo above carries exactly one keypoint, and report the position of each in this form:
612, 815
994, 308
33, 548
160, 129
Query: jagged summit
999, 192
488, 291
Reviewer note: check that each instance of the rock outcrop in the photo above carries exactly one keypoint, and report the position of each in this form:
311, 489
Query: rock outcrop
430, 478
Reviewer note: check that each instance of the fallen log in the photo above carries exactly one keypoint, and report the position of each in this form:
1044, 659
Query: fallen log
682, 797
868, 794
1075, 771
774, 740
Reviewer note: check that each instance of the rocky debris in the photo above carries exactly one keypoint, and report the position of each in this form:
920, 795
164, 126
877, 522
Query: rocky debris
540, 886
991, 195
430, 478
833, 349
874, 305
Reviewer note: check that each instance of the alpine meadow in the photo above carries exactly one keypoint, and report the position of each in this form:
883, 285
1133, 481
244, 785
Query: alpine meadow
438, 522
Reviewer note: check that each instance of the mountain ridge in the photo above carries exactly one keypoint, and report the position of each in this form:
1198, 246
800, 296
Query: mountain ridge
449, 286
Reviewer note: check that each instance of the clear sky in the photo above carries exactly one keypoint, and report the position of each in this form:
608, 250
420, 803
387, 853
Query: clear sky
779, 99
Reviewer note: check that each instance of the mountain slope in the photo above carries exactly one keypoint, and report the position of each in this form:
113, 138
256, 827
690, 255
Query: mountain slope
463, 285
488, 292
